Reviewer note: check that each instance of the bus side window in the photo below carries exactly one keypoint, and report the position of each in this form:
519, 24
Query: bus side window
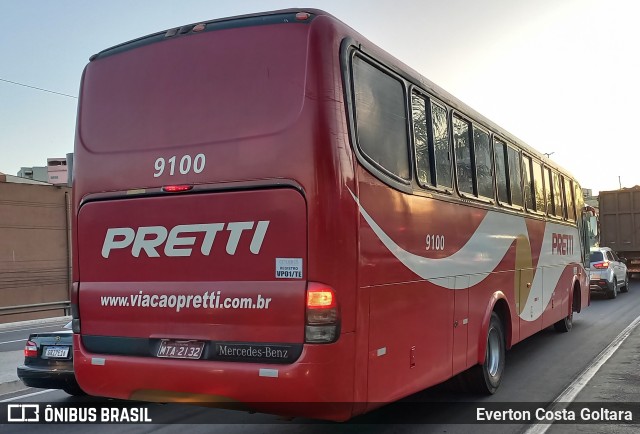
548, 186
441, 150
515, 176
502, 170
381, 118
421, 140
568, 192
557, 196
484, 168
509, 175
538, 180
462, 146
529, 184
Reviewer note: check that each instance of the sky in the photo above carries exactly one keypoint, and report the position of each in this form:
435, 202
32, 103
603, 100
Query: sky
561, 75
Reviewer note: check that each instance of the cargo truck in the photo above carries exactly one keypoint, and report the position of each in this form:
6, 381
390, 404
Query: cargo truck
620, 225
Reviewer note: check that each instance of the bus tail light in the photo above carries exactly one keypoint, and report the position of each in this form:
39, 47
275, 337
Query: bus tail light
601, 265
30, 349
322, 314
176, 188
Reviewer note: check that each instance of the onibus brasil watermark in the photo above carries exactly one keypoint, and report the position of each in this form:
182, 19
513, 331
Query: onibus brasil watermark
60, 413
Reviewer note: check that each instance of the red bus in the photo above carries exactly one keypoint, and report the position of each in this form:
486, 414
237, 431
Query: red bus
270, 210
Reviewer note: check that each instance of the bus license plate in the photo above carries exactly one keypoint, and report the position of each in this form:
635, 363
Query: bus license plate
180, 349
56, 352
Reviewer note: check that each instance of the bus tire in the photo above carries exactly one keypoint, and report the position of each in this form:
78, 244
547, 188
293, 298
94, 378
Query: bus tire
565, 324
485, 378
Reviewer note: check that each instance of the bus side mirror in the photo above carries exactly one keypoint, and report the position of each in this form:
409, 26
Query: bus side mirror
593, 224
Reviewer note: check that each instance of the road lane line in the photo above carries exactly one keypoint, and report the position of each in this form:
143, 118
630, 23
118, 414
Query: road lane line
62, 324
569, 394
11, 342
15, 398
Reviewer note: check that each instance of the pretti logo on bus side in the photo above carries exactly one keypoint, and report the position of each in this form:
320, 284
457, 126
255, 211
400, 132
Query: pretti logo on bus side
150, 238
561, 244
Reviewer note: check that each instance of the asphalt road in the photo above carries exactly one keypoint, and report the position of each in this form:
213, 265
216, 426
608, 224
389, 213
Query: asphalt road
538, 370
12, 339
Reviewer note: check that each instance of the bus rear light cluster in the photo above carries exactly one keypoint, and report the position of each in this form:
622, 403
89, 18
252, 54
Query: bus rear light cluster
322, 315
30, 349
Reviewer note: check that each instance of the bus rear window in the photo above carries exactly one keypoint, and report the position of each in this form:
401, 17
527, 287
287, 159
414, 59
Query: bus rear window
215, 86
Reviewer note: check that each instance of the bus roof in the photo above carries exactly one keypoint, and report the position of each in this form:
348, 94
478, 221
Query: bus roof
257, 19
307, 16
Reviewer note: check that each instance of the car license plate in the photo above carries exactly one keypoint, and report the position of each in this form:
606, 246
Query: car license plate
56, 352
173, 349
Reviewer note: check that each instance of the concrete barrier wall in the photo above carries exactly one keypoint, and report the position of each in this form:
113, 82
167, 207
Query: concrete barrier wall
34, 248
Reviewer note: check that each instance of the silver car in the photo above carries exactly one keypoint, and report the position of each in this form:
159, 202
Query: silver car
608, 272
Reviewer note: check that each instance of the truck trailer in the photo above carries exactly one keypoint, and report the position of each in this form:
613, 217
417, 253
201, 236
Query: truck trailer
620, 225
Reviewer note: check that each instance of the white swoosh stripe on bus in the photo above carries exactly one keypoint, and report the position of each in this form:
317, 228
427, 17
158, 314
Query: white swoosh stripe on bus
479, 257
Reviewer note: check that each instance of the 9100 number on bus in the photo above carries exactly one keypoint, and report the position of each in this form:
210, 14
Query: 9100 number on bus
435, 242
185, 165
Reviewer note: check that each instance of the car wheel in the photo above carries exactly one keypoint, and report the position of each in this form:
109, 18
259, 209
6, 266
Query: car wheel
486, 378
613, 293
625, 288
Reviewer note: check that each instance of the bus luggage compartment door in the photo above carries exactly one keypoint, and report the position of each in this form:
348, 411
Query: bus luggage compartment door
212, 266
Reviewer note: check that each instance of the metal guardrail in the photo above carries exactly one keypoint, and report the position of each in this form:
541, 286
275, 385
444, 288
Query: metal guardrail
37, 307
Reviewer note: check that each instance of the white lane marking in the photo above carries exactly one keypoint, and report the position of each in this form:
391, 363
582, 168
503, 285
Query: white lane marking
569, 394
15, 398
34, 328
11, 342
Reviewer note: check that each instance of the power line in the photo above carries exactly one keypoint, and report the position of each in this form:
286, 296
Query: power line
38, 88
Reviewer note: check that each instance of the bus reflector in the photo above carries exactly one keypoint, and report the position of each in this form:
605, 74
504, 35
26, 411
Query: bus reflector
176, 188
74, 300
322, 318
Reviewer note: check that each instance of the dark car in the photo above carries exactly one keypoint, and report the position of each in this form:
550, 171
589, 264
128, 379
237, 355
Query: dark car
48, 362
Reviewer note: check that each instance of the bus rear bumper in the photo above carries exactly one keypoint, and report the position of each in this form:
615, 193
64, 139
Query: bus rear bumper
319, 384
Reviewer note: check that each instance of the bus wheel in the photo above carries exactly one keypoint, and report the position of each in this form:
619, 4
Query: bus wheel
485, 378
565, 324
